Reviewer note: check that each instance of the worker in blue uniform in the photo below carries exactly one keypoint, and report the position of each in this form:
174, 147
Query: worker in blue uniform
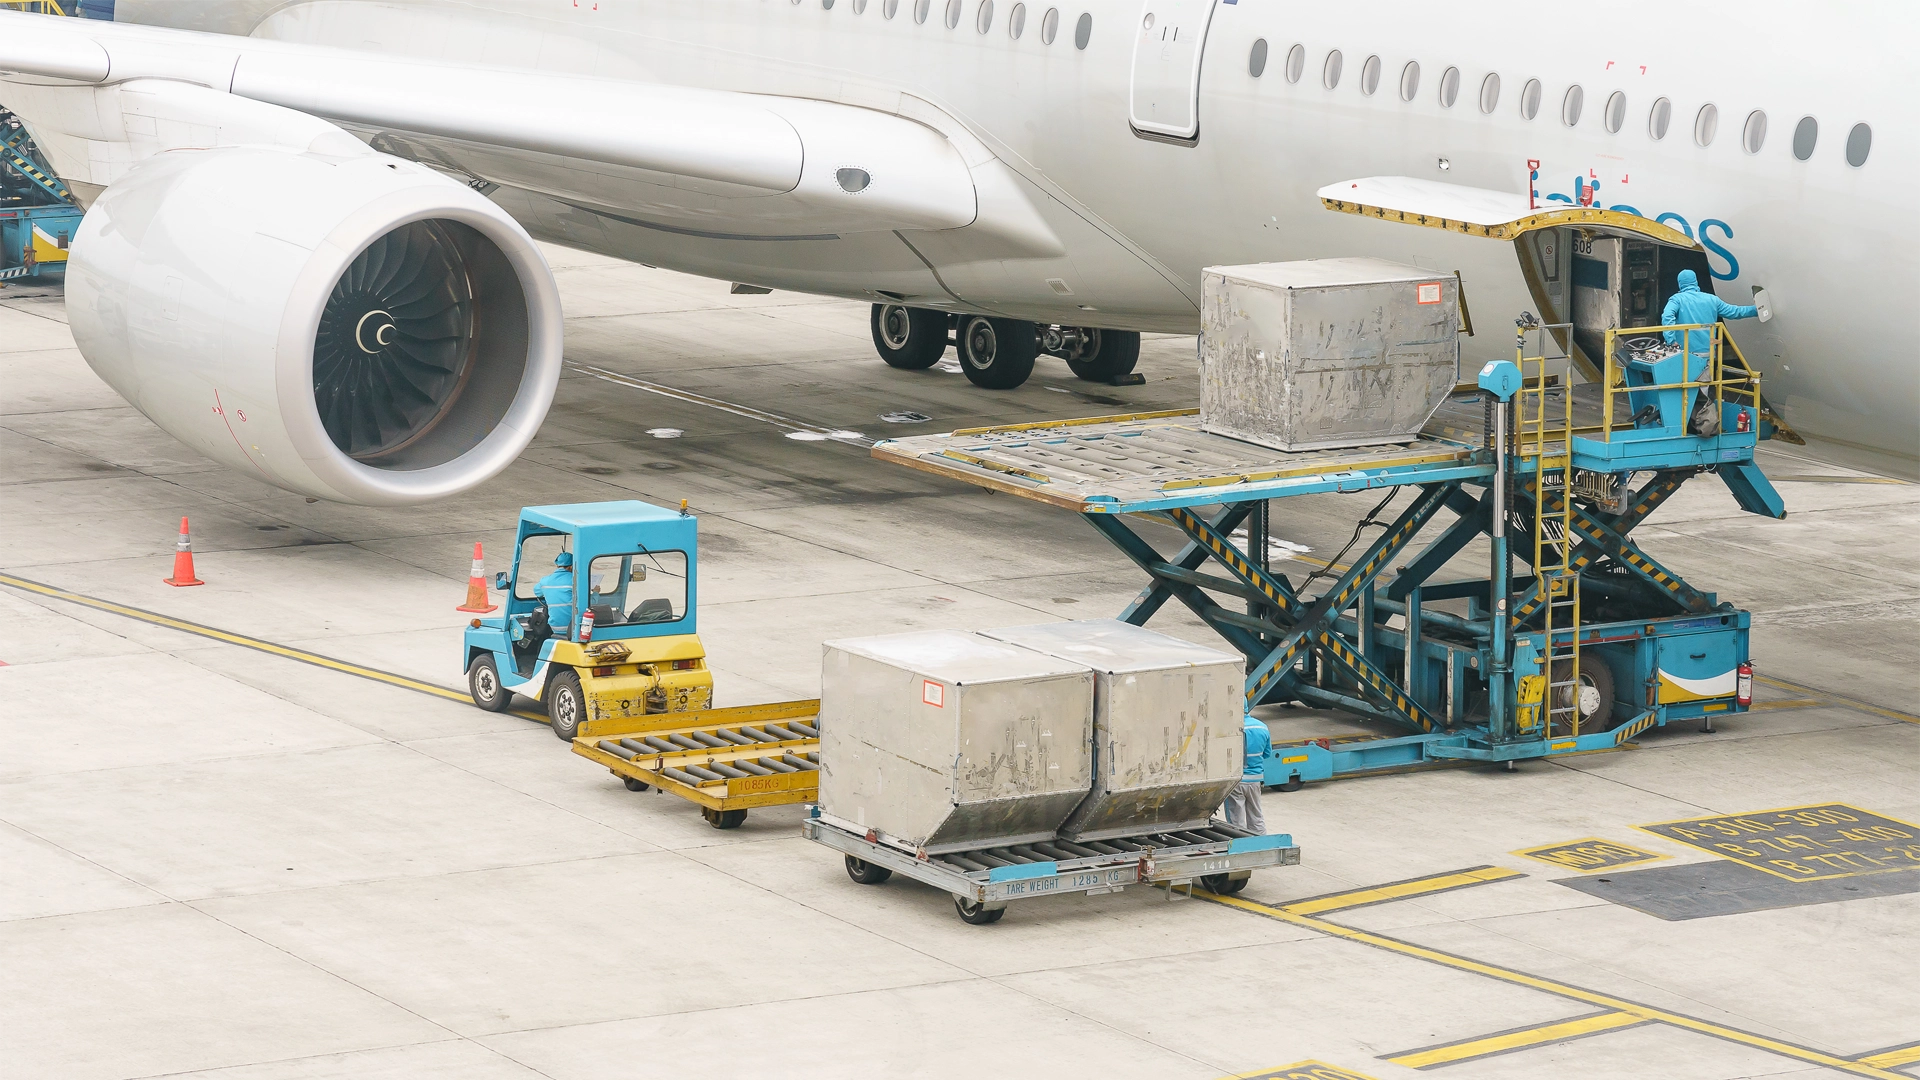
557, 590
1243, 802
1686, 307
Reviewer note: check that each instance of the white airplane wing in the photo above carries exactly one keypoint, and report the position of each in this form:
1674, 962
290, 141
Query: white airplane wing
736, 164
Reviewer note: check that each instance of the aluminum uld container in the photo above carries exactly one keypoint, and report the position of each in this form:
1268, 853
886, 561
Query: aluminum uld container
1326, 352
1168, 733
945, 740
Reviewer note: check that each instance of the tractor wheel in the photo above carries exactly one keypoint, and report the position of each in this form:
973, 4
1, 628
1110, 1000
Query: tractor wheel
483, 682
566, 705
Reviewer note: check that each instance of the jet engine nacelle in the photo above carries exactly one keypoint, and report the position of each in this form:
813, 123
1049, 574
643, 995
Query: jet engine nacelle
356, 328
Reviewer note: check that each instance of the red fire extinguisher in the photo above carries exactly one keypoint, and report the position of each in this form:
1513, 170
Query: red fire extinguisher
1743, 685
586, 627
1743, 421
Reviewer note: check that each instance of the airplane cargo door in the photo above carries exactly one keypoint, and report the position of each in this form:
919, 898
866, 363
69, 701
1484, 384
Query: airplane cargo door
1169, 39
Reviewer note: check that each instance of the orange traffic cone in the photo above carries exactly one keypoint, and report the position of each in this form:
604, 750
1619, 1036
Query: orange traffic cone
183, 559
477, 587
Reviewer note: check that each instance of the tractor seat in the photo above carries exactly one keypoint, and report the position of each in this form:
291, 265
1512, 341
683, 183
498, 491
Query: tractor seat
605, 615
656, 609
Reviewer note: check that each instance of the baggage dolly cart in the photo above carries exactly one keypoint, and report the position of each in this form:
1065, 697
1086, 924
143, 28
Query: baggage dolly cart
984, 880
727, 761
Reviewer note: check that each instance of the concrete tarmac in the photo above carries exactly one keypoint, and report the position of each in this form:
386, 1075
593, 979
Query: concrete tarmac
221, 862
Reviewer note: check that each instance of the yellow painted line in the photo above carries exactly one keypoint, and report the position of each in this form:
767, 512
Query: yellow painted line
1795, 703
1840, 699
1554, 986
1517, 1040
1894, 1058
1380, 894
154, 618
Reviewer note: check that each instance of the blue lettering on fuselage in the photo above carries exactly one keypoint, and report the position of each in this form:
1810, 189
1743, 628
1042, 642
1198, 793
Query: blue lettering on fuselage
1677, 223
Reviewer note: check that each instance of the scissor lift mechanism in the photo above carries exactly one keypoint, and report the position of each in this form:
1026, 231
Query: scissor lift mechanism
1341, 649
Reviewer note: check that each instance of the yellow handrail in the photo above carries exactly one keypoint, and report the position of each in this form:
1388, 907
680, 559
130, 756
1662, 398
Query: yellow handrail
37, 7
1743, 383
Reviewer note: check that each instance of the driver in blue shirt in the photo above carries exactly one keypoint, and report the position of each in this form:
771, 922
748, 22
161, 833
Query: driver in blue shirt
557, 590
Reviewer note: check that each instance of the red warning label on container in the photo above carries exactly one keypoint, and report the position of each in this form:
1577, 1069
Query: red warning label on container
933, 693
1429, 294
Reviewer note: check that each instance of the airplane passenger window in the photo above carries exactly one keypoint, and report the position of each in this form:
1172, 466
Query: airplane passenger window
920, 9
1049, 26
1370, 76
1706, 125
1490, 92
1755, 135
982, 22
1296, 62
1571, 104
1257, 59
1330, 73
1017, 21
1530, 99
1083, 31
953, 13
1449, 87
1859, 142
1805, 134
1659, 118
1616, 113
1409, 80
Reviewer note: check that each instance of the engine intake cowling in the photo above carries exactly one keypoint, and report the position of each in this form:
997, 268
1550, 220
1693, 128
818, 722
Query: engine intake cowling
357, 328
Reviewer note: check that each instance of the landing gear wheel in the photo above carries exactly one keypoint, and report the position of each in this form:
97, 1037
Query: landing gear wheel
483, 682
723, 819
865, 872
997, 354
978, 914
1113, 354
1595, 693
634, 785
566, 705
911, 339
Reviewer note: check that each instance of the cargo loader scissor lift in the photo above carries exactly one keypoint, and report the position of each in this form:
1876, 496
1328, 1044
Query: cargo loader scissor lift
1592, 644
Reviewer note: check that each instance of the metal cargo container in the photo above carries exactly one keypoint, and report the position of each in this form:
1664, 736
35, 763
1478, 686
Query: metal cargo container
1325, 353
1168, 732
944, 740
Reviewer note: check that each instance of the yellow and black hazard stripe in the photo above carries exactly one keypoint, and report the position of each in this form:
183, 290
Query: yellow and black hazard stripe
1232, 558
1388, 691
25, 165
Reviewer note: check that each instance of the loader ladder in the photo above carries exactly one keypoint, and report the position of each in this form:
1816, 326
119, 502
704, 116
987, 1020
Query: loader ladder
1544, 432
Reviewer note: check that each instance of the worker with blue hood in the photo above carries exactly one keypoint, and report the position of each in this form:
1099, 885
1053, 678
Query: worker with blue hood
1688, 306
557, 590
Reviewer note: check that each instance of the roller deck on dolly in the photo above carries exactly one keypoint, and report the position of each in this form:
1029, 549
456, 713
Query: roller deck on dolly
1593, 644
726, 761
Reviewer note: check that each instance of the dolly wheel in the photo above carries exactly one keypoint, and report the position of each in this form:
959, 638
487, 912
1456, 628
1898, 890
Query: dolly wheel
977, 914
865, 872
723, 819
566, 705
1217, 884
1239, 884
634, 785
483, 682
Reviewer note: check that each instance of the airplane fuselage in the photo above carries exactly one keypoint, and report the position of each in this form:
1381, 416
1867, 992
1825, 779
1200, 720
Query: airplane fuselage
1094, 223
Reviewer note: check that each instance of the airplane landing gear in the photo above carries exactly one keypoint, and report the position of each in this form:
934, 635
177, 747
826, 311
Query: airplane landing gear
911, 339
1094, 355
997, 354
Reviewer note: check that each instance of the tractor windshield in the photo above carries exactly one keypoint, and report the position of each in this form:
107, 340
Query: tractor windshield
638, 588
